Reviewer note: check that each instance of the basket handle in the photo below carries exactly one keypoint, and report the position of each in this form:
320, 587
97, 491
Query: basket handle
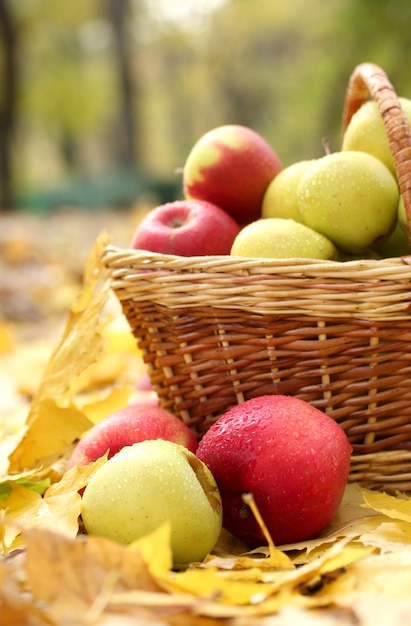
368, 80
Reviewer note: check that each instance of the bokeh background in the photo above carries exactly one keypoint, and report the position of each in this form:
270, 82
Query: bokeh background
101, 101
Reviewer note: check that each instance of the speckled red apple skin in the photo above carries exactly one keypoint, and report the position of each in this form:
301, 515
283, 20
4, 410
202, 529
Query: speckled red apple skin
238, 177
293, 458
186, 228
135, 423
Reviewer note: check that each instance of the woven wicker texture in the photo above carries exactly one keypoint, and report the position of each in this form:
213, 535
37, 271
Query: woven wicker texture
218, 330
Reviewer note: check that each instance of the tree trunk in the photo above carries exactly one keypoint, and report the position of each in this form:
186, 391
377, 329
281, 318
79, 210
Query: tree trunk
126, 148
8, 81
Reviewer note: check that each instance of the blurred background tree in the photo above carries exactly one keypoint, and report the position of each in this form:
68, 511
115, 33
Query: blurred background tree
100, 102
8, 78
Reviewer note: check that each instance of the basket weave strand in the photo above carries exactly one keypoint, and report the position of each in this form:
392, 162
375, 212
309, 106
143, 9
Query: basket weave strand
215, 331
359, 289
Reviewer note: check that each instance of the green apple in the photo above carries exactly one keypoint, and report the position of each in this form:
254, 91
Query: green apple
402, 217
148, 483
366, 132
279, 238
280, 198
367, 254
397, 244
351, 198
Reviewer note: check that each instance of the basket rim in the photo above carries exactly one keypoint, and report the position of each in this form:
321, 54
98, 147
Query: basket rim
377, 290
118, 257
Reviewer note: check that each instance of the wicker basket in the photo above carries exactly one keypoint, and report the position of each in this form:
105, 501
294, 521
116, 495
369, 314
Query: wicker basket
218, 330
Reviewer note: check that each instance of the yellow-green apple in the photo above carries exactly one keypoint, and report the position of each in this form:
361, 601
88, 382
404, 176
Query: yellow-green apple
293, 458
231, 166
186, 228
135, 423
350, 197
366, 132
148, 484
367, 254
281, 238
397, 244
402, 217
280, 198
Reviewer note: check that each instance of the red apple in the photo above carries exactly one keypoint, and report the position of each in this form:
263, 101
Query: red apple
293, 459
135, 423
186, 228
232, 167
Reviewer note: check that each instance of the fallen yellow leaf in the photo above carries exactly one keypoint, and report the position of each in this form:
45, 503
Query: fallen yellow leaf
75, 578
54, 422
391, 506
7, 339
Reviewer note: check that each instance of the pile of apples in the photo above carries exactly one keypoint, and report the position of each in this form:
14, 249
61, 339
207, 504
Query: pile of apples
239, 200
291, 457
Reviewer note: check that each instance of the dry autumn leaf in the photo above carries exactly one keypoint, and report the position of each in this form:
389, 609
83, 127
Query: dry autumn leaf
54, 422
394, 507
58, 509
65, 577
73, 578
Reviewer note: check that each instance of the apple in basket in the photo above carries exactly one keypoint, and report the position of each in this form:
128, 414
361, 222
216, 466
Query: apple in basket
151, 483
136, 422
280, 198
293, 459
232, 167
351, 198
186, 228
366, 132
282, 238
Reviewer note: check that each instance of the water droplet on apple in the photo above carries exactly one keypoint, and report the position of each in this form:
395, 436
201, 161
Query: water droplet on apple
252, 464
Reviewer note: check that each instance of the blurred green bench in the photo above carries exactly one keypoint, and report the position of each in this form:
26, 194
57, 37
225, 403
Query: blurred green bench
116, 190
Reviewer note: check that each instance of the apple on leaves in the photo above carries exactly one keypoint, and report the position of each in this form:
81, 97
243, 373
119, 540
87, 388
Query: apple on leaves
293, 459
135, 423
148, 484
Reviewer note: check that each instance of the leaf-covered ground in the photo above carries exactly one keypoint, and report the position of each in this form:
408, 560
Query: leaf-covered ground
67, 359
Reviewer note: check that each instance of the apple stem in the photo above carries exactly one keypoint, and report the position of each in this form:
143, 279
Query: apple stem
248, 499
326, 145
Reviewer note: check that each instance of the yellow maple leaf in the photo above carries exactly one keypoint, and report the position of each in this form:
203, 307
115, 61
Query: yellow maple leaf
54, 422
372, 581
75, 578
22, 506
100, 403
155, 548
59, 508
7, 339
389, 536
391, 506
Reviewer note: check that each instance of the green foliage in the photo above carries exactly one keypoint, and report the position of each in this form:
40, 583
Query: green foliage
279, 67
